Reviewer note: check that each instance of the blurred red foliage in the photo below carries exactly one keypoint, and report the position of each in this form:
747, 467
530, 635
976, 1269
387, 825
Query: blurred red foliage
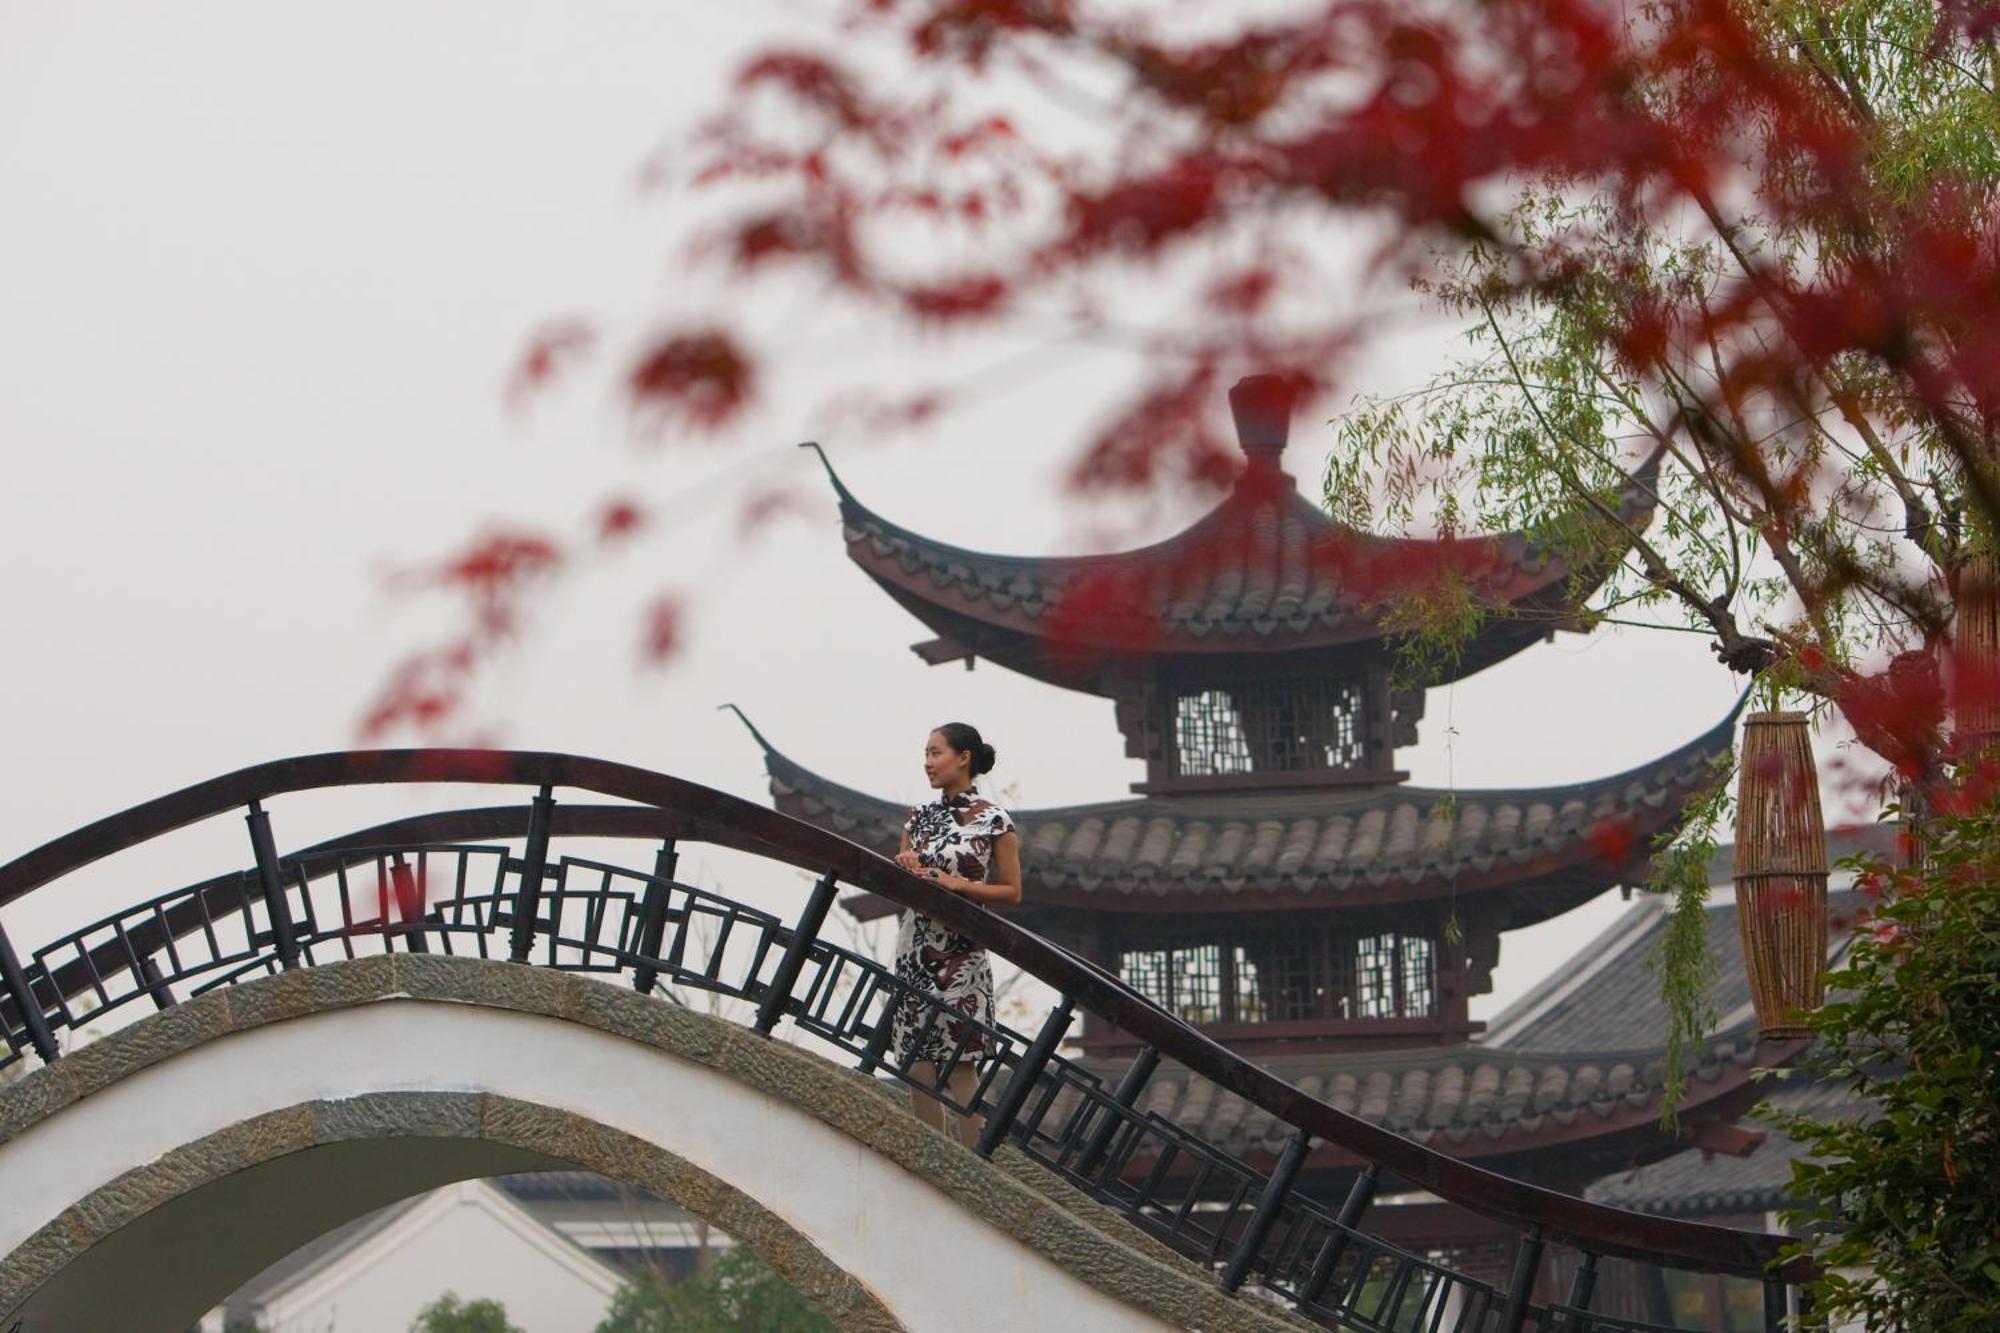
619, 519
1613, 839
701, 379
895, 171
663, 628
549, 353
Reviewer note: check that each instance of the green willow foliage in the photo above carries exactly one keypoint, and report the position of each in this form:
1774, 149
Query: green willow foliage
1546, 421
1680, 869
1905, 1212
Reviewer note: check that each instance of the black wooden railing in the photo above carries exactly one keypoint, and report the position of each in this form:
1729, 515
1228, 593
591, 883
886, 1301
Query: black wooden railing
452, 883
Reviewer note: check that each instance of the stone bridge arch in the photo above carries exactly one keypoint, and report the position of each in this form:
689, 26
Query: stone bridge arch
141, 1170
1096, 1205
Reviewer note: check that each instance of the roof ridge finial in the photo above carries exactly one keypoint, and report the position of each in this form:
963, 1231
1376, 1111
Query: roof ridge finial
1742, 703
839, 487
1262, 406
742, 717
1639, 498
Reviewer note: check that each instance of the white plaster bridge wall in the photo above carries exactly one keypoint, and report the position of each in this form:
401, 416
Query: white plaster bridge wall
117, 1231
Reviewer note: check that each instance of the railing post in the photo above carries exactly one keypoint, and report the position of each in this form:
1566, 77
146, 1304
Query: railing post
878, 1040
1137, 1074
1266, 1215
534, 867
1580, 1288
1527, 1267
1359, 1195
653, 916
409, 906
1774, 1305
156, 984
272, 880
22, 992
1033, 1061
772, 1007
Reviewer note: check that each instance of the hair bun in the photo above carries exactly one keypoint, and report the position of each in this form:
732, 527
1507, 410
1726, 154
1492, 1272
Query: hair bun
964, 738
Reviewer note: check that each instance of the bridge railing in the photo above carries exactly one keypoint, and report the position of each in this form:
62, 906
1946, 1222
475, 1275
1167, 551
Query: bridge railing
451, 883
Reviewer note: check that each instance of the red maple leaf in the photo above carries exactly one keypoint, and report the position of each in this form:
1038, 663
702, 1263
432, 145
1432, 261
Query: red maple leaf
701, 379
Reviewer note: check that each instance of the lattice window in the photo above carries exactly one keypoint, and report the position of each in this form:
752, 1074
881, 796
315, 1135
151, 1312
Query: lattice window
1148, 972
1185, 980
1375, 976
1269, 726
1247, 1000
1282, 977
1198, 984
1287, 976
1418, 977
1208, 738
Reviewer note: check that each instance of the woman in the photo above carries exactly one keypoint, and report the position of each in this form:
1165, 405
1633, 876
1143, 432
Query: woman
965, 843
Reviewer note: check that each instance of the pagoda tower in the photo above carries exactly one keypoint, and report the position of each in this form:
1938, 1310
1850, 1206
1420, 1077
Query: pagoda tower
1274, 879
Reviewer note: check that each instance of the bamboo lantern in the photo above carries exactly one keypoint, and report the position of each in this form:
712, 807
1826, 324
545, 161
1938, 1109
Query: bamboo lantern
1780, 872
1976, 656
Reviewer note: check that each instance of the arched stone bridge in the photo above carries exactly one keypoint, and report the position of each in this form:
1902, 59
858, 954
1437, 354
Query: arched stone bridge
342, 1088
336, 1029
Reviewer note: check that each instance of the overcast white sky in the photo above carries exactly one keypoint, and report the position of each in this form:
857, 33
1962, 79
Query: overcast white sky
263, 270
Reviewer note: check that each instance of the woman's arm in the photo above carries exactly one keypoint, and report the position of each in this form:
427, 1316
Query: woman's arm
1002, 886
904, 856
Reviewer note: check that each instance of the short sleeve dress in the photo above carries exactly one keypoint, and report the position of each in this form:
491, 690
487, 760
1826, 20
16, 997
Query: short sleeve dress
954, 834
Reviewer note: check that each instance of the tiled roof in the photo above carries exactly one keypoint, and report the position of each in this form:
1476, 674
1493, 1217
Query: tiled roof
1266, 569
1387, 842
1699, 1184
1467, 1100
1608, 995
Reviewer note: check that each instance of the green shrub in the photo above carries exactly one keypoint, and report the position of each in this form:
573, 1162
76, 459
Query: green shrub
448, 1314
735, 1291
1904, 1216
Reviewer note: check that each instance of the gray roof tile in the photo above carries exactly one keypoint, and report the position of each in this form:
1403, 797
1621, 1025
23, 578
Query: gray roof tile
1618, 1004
1696, 1183
1455, 1099
1336, 841
1266, 565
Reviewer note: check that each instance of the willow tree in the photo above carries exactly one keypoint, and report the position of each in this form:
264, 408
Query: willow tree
1795, 336
1786, 339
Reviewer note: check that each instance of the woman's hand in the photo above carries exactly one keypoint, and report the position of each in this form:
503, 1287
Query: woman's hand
912, 863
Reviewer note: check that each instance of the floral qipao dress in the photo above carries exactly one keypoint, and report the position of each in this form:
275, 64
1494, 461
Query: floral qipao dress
954, 834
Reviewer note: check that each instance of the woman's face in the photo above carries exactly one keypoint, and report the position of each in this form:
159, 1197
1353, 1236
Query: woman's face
942, 763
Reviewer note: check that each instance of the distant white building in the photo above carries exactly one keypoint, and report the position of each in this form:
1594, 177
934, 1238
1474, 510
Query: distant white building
551, 1247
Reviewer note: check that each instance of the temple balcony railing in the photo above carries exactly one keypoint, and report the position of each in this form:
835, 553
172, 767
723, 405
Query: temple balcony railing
456, 882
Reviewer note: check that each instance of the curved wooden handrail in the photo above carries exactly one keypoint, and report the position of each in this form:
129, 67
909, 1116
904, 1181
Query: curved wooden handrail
707, 815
